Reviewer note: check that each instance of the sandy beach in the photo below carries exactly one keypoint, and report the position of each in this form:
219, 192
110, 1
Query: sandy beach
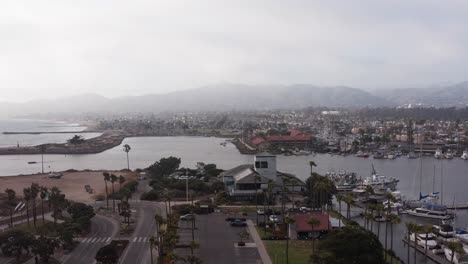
71, 184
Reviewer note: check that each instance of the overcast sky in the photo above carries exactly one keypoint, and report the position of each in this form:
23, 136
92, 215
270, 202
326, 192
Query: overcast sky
120, 47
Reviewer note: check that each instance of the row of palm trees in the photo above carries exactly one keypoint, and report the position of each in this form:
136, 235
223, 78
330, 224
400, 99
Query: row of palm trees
112, 178
414, 229
54, 197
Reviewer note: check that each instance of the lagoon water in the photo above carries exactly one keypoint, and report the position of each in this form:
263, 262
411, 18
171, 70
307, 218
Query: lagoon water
147, 150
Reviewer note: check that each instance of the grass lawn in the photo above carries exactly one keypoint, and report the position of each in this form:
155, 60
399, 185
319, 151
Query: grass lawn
261, 232
299, 251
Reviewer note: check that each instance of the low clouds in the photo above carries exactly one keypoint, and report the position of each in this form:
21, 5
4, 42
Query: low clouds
115, 48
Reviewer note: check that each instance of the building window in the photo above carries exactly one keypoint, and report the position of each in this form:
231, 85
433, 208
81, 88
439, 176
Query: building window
261, 164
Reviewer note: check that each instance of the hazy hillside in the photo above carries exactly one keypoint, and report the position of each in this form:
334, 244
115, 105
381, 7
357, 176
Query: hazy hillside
452, 95
215, 98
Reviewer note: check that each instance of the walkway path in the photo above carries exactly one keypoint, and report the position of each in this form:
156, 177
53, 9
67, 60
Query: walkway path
258, 241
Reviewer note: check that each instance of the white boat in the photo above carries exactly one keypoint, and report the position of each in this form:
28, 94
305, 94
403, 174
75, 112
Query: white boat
438, 154
433, 211
449, 155
444, 230
421, 240
464, 156
379, 182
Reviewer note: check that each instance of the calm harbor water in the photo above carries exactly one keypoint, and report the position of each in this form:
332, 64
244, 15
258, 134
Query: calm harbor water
147, 150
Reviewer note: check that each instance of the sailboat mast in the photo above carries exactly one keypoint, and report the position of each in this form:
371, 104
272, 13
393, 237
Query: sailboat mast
441, 182
433, 180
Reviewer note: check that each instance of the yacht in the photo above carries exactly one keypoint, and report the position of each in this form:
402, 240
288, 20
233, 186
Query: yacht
421, 239
378, 155
449, 155
344, 181
462, 235
432, 211
464, 156
438, 154
361, 154
412, 155
444, 230
379, 182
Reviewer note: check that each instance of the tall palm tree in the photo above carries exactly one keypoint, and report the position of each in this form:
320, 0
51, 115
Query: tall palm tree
394, 220
288, 221
153, 242
349, 201
390, 199
379, 209
416, 231
113, 179
426, 229
127, 148
57, 200
409, 230
193, 245
455, 247
372, 209
313, 222
339, 198
121, 181
27, 198
11, 196
106, 179
43, 195
34, 193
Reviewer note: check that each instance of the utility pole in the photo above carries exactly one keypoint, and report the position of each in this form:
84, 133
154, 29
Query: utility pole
186, 187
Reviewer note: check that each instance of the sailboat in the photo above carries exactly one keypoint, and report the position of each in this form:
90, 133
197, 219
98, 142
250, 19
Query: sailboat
464, 156
427, 206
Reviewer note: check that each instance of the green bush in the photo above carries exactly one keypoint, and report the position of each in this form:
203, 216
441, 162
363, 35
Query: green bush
150, 196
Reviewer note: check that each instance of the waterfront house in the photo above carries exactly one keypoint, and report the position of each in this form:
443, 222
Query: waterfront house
244, 181
300, 229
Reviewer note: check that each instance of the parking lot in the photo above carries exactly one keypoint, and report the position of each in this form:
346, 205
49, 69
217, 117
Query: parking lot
217, 239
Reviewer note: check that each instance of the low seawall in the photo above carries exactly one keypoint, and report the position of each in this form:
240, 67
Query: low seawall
95, 145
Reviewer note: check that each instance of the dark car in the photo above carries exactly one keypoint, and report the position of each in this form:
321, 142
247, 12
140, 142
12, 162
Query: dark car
238, 222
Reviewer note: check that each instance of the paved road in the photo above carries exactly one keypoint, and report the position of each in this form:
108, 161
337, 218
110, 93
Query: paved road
103, 230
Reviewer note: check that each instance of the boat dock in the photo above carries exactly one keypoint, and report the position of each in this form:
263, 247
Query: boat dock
463, 206
436, 258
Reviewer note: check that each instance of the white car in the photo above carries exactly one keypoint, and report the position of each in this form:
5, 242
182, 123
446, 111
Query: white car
421, 240
274, 218
260, 211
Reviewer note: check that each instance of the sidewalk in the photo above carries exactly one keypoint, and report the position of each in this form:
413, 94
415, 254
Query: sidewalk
258, 241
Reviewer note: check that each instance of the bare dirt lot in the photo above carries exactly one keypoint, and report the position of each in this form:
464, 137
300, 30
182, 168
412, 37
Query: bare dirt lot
71, 184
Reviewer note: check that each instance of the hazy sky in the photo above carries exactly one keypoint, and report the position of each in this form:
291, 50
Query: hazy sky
120, 47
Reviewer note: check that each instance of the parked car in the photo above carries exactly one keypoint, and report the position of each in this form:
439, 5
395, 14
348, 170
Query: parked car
274, 218
260, 211
187, 217
238, 223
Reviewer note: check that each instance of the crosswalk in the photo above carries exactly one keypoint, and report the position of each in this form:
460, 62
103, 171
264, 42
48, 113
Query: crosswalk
95, 240
92, 240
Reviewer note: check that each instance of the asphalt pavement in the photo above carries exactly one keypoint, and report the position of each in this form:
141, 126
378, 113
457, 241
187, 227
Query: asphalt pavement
103, 230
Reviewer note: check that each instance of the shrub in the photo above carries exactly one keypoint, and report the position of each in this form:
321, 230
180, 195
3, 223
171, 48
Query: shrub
150, 196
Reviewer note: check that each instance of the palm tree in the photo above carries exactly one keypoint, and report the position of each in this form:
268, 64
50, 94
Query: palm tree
394, 219
416, 231
106, 179
426, 229
390, 198
409, 229
11, 194
34, 192
455, 247
379, 209
27, 198
153, 242
349, 201
113, 179
127, 148
313, 222
288, 221
193, 245
57, 200
43, 195
339, 198
371, 218
121, 181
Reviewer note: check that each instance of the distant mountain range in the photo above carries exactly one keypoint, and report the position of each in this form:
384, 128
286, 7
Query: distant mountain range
245, 97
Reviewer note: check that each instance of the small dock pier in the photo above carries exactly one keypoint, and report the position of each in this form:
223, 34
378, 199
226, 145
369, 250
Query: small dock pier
436, 258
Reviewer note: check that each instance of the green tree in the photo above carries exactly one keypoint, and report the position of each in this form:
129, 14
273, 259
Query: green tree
113, 179
44, 193
288, 221
320, 190
456, 248
107, 255
121, 181
349, 201
76, 140
11, 202
35, 189
27, 198
126, 149
57, 201
164, 167
393, 220
14, 242
313, 222
44, 247
106, 179
350, 244
339, 199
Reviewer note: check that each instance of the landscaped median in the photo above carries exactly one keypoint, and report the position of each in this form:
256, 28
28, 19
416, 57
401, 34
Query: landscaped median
299, 251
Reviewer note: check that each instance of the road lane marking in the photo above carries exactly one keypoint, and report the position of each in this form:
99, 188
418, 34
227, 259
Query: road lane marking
92, 241
85, 240
109, 239
144, 239
134, 240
